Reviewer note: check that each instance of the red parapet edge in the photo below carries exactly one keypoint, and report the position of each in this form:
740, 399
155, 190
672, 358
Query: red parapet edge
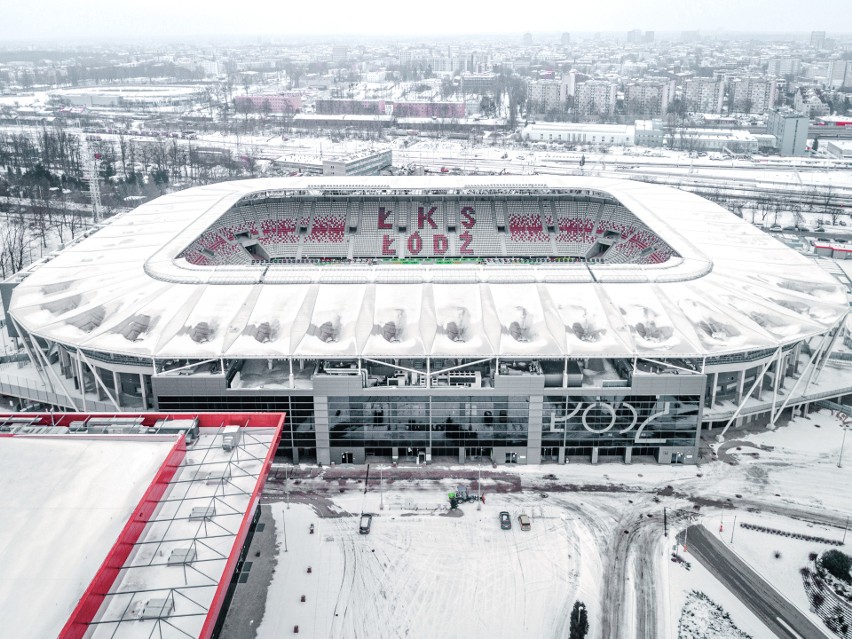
205, 420
90, 602
222, 588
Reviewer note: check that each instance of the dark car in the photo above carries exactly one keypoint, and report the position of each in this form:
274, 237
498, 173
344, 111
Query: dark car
366, 522
505, 521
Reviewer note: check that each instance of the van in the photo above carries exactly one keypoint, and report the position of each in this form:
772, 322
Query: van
524, 521
366, 522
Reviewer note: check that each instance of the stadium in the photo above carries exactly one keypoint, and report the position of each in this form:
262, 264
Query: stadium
517, 319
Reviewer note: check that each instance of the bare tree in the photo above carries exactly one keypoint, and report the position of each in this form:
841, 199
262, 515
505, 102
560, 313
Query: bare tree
122, 145
13, 239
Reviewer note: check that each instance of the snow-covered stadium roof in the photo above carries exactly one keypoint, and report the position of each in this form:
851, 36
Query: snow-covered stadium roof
729, 288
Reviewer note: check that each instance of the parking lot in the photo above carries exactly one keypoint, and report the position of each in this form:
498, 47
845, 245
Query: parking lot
423, 570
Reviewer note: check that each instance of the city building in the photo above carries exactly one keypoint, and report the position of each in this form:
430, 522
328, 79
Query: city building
818, 39
578, 133
480, 83
648, 97
339, 53
454, 109
808, 102
704, 95
565, 39
841, 149
752, 94
648, 133
595, 97
344, 106
290, 102
130, 96
544, 96
361, 122
782, 67
512, 319
730, 141
790, 130
367, 163
839, 73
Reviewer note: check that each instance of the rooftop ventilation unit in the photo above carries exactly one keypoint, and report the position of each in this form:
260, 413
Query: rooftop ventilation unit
231, 436
518, 332
263, 333
89, 320
62, 306
135, 326
181, 556
390, 332
653, 333
202, 513
218, 476
327, 333
201, 333
157, 608
518, 329
586, 332
454, 332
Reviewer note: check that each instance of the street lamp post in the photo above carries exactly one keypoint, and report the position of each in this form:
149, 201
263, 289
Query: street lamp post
479, 486
287, 484
842, 442
381, 488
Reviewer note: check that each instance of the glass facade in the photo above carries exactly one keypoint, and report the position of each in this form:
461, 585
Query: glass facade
428, 422
666, 420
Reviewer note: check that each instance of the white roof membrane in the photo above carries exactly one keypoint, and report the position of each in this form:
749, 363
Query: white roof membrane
123, 290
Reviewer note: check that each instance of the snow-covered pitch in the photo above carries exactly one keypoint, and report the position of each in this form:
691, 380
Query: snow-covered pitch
719, 287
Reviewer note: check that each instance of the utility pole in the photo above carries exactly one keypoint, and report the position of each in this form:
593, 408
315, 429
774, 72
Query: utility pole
665, 523
845, 527
733, 528
381, 489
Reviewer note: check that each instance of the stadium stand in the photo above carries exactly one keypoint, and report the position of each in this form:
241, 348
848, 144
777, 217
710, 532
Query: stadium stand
526, 232
497, 229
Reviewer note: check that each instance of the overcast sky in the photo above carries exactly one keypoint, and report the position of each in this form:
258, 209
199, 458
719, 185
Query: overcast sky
22, 20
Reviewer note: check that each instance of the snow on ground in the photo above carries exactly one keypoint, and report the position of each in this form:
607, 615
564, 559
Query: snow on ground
758, 550
423, 572
702, 618
818, 433
800, 470
418, 566
682, 583
39, 99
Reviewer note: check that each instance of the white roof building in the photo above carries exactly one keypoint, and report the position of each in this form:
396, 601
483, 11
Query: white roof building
724, 272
